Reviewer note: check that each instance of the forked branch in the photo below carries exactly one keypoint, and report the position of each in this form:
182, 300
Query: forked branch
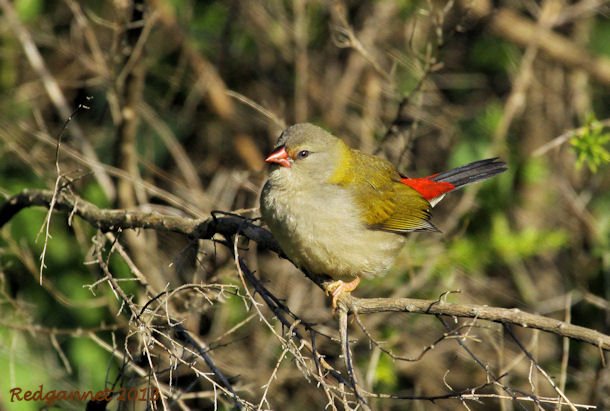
228, 225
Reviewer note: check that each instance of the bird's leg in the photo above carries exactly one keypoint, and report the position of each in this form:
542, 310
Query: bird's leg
336, 288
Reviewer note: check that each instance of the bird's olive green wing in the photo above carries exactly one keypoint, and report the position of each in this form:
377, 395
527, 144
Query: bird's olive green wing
386, 203
397, 208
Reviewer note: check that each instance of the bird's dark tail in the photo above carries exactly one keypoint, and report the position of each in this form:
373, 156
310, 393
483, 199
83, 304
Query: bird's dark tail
470, 173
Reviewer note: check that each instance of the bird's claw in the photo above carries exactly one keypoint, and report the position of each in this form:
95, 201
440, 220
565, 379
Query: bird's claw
337, 288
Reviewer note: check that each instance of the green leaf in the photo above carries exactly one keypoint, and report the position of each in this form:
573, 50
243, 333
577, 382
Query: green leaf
28, 10
385, 374
591, 146
513, 245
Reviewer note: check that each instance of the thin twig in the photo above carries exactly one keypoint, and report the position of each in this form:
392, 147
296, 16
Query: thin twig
56, 189
347, 357
539, 368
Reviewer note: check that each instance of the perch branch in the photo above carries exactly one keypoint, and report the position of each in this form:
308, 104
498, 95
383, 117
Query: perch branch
228, 225
500, 315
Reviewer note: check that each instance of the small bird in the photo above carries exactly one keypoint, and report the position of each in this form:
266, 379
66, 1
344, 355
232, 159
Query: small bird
339, 212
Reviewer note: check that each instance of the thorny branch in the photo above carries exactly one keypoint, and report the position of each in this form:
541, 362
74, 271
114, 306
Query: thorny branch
230, 227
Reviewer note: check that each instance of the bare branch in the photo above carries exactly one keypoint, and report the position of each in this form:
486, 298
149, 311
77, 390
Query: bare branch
501, 315
228, 225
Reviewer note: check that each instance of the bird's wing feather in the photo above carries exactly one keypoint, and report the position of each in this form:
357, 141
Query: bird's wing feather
411, 212
384, 201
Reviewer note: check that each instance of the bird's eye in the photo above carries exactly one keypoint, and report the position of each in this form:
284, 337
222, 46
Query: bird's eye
302, 154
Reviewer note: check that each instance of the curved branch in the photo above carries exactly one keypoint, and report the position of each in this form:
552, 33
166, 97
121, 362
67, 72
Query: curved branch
113, 220
228, 225
500, 315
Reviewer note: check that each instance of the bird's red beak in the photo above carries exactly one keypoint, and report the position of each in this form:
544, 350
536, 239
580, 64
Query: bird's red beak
279, 156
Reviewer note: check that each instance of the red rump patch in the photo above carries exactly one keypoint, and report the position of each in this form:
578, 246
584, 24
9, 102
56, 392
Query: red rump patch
427, 188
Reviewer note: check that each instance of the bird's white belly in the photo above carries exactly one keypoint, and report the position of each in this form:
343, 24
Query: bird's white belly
324, 233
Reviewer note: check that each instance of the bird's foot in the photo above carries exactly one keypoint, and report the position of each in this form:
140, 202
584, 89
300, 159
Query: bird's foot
337, 288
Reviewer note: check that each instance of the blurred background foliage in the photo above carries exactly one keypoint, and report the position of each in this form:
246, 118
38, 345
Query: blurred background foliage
183, 99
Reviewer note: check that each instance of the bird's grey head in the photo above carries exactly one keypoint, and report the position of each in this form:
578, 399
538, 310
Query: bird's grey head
305, 134
308, 152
